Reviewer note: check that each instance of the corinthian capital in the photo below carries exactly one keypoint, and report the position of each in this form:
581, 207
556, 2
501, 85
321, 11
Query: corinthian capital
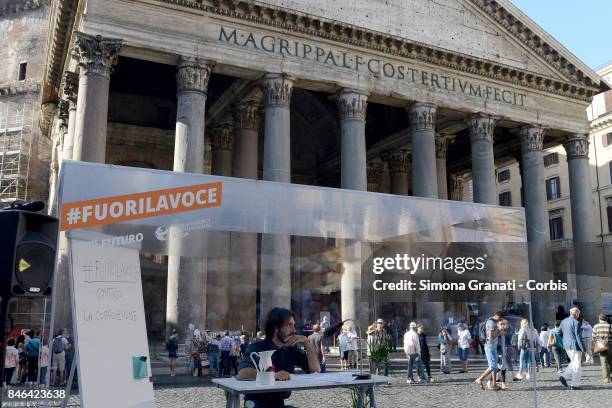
482, 127
192, 75
222, 137
96, 54
422, 116
247, 115
352, 105
277, 90
62, 114
71, 86
397, 160
442, 143
577, 147
532, 139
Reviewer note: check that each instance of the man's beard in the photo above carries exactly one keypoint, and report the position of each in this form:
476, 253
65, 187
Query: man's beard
282, 336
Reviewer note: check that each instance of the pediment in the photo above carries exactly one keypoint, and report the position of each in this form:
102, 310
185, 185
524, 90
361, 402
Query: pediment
491, 30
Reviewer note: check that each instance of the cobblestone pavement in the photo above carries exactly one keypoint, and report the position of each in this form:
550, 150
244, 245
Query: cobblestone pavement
446, 391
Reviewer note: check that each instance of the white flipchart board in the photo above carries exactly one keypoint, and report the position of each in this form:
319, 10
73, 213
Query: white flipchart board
110, 327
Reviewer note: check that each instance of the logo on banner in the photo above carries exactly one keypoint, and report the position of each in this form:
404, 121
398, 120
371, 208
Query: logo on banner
114, 209
180, 230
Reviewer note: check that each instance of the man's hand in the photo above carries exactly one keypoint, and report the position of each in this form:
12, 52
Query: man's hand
282, 376
295, 339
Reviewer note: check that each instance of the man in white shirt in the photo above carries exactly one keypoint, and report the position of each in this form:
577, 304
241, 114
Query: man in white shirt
463, 344
412, 348
544, 350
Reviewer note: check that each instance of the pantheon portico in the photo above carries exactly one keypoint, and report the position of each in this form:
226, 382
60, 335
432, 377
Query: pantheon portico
403, 100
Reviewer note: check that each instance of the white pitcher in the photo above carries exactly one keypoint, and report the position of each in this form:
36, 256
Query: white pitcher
264, 377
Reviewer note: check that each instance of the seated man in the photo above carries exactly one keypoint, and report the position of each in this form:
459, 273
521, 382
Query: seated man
280, 336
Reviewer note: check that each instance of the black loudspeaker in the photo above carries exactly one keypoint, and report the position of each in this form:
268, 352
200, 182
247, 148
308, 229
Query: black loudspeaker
28, 244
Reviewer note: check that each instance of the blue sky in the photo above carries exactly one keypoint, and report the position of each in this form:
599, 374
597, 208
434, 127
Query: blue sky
583, 27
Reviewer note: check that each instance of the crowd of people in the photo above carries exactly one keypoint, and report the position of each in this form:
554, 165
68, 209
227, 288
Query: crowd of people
27, 359
209, 354
513, 349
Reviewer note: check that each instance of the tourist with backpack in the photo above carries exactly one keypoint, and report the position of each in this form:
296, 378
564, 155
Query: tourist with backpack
489, 331
58, 357
172, 348
602, 340
527, 341
555, 342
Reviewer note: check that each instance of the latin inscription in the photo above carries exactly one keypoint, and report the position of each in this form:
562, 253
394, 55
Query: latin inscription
374, 66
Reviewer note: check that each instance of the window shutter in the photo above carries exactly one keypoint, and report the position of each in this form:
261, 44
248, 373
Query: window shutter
604, 140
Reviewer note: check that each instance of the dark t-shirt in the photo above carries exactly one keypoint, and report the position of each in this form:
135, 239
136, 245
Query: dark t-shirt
285, 359
316, 339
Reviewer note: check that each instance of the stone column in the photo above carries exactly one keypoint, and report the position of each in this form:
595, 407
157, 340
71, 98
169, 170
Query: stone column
186, 294
71, 84
275, 287
374, 171
422, 117
588, 283
243, 271
483, 164
536, 218
95, 56
398, 162
352, 106
442, 143
56, 153
218, 292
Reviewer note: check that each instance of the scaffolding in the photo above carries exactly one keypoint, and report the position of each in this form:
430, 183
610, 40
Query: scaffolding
16, 120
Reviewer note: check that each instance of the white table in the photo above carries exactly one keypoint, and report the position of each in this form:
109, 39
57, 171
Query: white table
299, 382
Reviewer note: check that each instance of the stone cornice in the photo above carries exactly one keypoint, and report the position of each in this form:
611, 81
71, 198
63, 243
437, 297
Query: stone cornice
602, 122
533, 41
578, 86
16, 6
61, 23
19, 87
